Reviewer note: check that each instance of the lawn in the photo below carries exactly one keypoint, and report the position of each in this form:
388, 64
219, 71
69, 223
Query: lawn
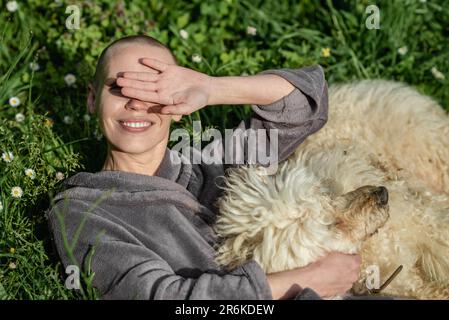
47, 60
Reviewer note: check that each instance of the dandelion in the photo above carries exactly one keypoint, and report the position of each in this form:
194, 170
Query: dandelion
48, 122
98, 135
326, 52
30, 173
403, 50
437, 73
20, 117
67, 120
184, 34
196, 58
60, 176
14, 102
12, 6
17, 192
70, 79
12, 265
7, 156
34, 66
86, 117
252, 31
12, 250
1, 206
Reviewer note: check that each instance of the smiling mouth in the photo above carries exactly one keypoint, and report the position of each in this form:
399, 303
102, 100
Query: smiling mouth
135, 126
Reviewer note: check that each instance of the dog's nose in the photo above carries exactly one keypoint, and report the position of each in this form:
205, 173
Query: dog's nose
382, 195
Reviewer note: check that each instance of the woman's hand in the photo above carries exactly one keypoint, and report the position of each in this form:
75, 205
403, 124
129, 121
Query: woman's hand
180, 90
330, 276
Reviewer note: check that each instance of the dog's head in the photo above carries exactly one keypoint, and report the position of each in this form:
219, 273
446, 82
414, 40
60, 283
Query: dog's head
361, 212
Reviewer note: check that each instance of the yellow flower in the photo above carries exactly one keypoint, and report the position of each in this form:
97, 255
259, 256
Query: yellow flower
326, 52
48, 122
12, 250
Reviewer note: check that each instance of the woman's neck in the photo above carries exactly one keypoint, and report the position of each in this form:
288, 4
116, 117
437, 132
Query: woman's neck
145, 163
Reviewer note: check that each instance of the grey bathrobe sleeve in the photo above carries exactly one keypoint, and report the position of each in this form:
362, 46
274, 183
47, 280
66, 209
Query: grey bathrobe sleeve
294, 117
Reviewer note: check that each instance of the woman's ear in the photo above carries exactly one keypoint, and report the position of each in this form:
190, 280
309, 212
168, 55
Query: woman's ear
91, 98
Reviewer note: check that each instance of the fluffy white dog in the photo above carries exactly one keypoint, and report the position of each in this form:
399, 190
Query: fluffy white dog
374, 181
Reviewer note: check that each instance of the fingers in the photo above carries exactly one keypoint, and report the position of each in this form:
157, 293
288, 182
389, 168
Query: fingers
178, 109
136, 84
150, 96
155, 64
141, 76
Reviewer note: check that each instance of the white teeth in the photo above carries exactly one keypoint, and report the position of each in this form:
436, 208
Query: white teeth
136, 124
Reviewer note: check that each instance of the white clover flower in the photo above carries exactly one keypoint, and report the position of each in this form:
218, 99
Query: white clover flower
67, 120
12, 6
196, 58
12, 265
14, 102
184, 34
252, 31
86, 117
403, 50
7, 156
70, 79
437, 73
1, 206
34, 66
17, 192
20, 117
60, 176
30, 173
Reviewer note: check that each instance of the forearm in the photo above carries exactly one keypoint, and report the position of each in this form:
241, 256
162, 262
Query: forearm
287, 284
258, 89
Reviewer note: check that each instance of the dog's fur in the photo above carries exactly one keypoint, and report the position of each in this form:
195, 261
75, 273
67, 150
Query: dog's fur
328, 196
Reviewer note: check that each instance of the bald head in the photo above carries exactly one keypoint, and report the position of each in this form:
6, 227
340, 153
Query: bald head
103, 60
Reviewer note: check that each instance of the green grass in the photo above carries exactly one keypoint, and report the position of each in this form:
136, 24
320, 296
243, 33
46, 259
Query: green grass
289, 34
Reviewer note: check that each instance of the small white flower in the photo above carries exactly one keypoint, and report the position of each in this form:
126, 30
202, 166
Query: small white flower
70, 79
34, 66
60, 176
14, 102
252, 31
12, 6
17, 192
20, 117
437, 73
403, 50
12, 265
7, 156
1, 206
184, 34
30, 173
98, 135
196, 58
68, 120
86, 117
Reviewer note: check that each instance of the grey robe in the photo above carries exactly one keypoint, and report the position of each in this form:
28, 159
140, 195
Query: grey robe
151, 237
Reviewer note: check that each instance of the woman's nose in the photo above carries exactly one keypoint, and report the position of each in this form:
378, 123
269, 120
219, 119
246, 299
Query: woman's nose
136, 105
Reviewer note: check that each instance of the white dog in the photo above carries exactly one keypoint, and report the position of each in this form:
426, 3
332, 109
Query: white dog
374, 181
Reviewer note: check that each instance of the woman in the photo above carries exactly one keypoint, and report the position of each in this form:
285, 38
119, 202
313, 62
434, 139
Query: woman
147, 219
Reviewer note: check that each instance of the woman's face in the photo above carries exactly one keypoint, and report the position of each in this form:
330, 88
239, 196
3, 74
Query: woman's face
130, 125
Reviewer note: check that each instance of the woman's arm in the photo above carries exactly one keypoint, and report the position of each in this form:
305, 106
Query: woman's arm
183, 90
330, 276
